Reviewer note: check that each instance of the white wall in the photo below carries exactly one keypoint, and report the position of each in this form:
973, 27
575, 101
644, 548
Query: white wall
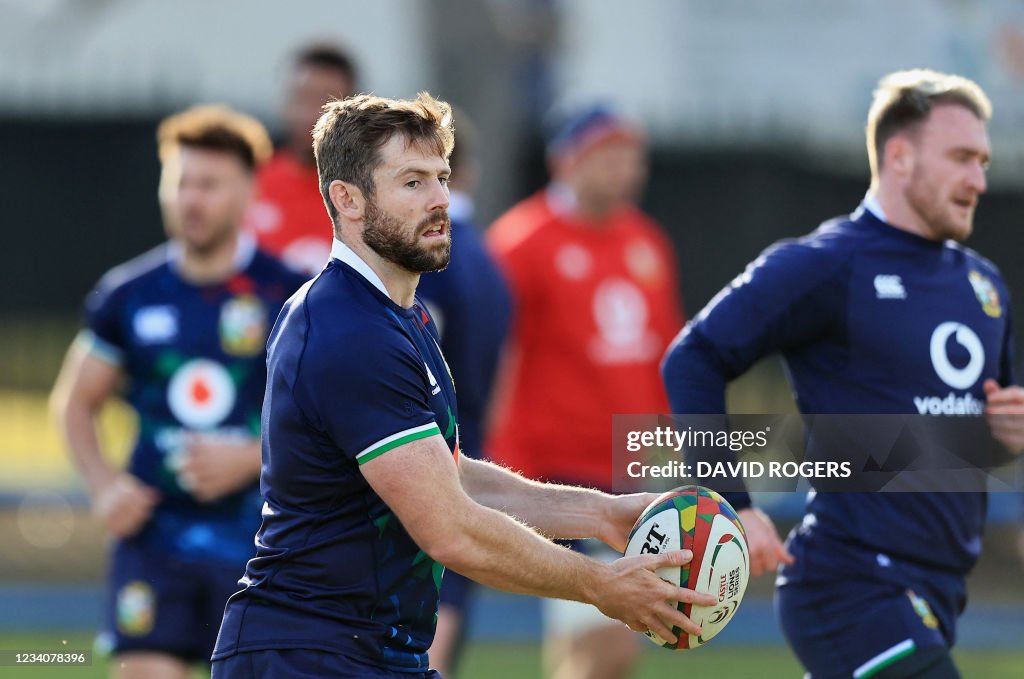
113, 56
697, 72
800, 72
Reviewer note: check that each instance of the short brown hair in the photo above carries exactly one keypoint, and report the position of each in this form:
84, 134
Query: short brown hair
348, 136
217, 128
327, 55
904, 99
465, 151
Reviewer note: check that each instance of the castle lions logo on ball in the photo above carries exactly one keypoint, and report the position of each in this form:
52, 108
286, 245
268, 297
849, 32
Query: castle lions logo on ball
201, 394
698, 519
243, 326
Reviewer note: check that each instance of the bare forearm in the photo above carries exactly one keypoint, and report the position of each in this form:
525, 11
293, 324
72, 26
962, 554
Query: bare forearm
83, 385
556, 511
498, 551
254, 459
77, 424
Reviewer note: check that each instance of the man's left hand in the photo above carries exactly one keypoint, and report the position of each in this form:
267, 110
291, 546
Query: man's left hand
1004, 409
621, 512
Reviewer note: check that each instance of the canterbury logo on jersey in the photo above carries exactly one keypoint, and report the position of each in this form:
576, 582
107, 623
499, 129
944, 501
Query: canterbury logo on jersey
889, 286
155, 324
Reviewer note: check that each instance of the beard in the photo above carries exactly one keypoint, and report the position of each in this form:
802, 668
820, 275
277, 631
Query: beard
936, 213
200, 234
388, 237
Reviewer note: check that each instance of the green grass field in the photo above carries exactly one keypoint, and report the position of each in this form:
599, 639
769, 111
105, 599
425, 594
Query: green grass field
514, 661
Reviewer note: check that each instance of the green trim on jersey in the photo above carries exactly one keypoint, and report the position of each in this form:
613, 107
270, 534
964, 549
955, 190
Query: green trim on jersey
99, 348
395, 440
884, 659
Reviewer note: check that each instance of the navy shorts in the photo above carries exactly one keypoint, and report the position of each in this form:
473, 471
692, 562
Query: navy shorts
296, 663
165, 605
866, 612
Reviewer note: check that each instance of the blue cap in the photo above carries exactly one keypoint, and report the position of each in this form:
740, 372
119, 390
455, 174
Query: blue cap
588, 127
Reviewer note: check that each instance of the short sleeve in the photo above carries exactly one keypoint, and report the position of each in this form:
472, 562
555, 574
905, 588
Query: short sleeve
369, 393
103, 334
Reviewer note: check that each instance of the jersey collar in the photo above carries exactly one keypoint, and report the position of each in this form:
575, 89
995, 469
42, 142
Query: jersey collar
561, 198
460, 207
344, 253
872, 205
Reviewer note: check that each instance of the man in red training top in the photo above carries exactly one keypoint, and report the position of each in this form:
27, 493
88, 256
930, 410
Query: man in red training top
288, 215
595, 303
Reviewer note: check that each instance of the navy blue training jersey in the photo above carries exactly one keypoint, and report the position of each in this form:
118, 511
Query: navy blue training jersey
195, 359
350, 376
471, 304
869, 319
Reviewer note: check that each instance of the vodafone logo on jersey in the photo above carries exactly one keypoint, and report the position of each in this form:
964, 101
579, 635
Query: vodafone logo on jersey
201, 394
959, 377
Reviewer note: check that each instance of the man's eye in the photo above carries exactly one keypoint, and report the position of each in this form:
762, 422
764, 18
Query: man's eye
412, 184
443, 180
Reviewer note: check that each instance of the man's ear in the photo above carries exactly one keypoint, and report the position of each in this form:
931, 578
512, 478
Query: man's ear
899, 155
347, 199
249, 187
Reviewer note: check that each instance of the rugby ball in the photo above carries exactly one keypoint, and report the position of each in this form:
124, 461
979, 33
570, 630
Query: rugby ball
698, 519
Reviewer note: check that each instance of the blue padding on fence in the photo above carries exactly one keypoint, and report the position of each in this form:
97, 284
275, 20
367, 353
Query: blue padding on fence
495, 617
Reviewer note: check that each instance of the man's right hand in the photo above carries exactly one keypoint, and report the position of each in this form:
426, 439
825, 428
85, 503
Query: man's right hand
643, 601
124, 504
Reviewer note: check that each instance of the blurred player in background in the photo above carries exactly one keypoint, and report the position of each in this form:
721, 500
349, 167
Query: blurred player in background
181, 332
367, 495
469, 302
872, 312
595, 299
287, 217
